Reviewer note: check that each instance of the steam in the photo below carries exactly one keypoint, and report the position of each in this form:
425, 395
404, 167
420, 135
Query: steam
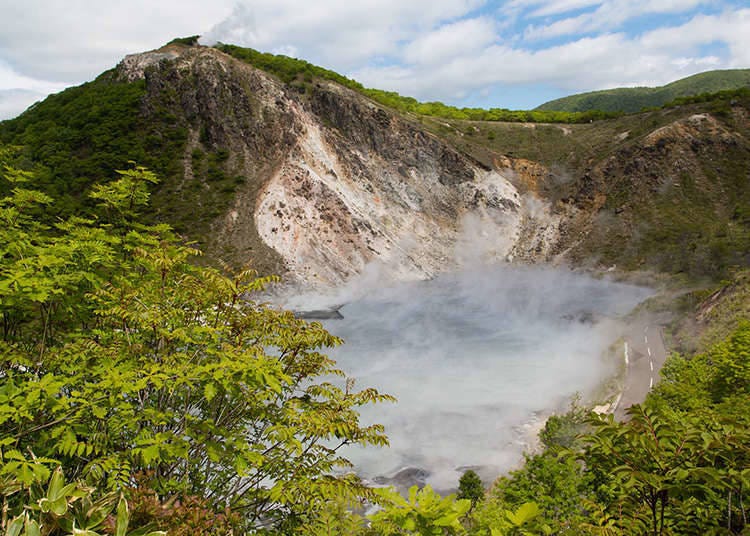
485, 239
239, 27
472, 357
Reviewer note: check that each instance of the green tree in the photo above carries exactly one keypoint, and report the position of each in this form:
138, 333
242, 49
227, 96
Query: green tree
555, 482
121, 356
470, 487
564, 431
423, 513
657, 474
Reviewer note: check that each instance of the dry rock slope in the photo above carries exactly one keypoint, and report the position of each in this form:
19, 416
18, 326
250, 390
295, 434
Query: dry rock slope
333, 182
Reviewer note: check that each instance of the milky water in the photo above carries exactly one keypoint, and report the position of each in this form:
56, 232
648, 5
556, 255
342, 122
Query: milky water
472, 358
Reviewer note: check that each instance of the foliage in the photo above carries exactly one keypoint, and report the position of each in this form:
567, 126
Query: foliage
725, 95
470, 487
521, 521
122, 357
718, 379
178, 515
190, 41
40, 508
659, 475
78, 136
336, 518
564, 431
424, 512
554, 482
719, 310
292, 70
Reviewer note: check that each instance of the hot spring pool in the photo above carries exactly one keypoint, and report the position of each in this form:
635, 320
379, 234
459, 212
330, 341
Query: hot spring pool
473, 357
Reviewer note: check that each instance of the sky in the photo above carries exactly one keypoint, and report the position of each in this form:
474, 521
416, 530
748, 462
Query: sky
513, 54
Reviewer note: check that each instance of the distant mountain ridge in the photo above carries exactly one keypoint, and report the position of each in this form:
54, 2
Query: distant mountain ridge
275, 162
634, 99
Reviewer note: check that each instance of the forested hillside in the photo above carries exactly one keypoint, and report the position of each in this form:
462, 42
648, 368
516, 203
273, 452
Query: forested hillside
634, 99
301, 74
78, 137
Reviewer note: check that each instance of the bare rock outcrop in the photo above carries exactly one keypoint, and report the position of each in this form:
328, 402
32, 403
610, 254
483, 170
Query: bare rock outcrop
333, 182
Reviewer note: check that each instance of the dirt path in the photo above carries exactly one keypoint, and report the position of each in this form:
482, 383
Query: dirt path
645, 354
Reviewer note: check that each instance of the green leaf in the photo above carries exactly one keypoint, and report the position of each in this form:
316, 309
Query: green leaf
209, 391
123, 517
447, 520
58, 507
84, 532
524, 513
16, 525
32, 528
56, 484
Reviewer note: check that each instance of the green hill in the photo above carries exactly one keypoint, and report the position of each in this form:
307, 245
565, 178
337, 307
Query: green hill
300, 73
634, 99
692, 195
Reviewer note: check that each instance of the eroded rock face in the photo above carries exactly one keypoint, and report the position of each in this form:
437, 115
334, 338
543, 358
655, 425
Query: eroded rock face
336, 205
334, 182
133, 66
641, 196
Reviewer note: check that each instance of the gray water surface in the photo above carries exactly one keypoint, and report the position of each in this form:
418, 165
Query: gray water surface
472, 358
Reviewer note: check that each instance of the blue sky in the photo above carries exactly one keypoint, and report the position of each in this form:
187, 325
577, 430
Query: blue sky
507, 54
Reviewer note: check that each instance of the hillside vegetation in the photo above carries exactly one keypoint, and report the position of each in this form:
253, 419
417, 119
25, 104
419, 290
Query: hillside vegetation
641, 189
665, 190
76, 138
143, 395
634, 99
301, 74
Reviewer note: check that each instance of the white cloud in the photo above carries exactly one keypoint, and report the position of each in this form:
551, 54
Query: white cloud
15, 101
17, 91
607, 60
709, 62
567, 26
10, 79
731, 28
451, 40
338, 33
557, 7
74, 40
608, 16
431, 49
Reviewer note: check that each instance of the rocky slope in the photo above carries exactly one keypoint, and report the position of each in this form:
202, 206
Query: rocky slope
666, 191
312, 180
675, 199
332, 181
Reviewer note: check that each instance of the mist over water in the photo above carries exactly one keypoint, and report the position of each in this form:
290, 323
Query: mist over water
472, 357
